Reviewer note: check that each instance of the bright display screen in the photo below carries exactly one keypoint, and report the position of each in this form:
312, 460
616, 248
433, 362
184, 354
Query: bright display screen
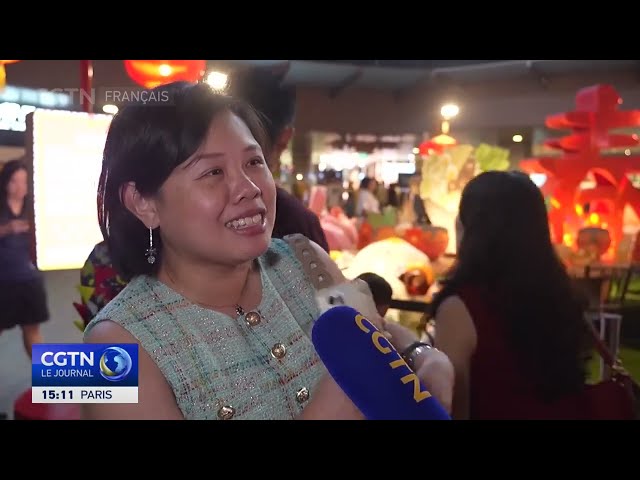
67, 159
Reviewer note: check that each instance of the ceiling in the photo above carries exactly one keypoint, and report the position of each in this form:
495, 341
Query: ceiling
393, 76
336, 75
399, 75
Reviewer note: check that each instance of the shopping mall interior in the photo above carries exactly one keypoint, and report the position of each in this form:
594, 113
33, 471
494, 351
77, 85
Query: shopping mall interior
380, 155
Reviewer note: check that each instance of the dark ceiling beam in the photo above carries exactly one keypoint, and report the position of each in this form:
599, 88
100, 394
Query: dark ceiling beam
443, 84
441, 79
345, 83
400, 94
431, 80
281, 70
541, 77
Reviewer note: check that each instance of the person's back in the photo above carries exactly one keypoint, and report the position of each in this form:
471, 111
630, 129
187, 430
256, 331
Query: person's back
499, 388
507, 316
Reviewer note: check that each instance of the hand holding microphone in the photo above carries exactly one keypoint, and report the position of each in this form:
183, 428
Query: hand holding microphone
432, 366
353, 293
369, 370
361, 361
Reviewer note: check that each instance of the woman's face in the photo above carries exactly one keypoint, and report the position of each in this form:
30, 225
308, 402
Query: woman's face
17, 187
219, 205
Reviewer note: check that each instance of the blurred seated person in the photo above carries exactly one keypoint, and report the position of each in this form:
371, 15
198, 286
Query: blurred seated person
367, 200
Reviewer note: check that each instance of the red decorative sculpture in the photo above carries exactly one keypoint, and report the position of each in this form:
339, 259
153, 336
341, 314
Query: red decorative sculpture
572, 207
437, 144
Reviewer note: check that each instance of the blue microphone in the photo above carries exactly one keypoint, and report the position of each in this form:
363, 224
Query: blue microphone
370, 370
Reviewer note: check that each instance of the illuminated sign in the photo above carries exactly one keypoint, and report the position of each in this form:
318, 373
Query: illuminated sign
67, 152
13, 116
17, 102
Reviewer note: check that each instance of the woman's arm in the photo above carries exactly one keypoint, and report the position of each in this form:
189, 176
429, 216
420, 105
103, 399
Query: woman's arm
155, 397
456, 337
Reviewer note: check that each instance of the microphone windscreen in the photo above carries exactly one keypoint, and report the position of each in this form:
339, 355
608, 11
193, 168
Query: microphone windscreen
369, 369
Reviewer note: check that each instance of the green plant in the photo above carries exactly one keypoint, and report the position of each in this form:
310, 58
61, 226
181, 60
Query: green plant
489, 158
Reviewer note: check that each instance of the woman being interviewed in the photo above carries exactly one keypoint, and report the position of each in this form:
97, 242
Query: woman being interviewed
218, 307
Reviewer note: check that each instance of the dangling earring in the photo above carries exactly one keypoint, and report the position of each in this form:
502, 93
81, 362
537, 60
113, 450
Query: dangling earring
151, 251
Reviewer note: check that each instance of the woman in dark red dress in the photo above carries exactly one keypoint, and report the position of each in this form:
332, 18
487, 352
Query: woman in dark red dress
507, 316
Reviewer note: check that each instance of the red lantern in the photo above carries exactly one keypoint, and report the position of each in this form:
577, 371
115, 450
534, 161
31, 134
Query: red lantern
151, 73
437, 144
3, 73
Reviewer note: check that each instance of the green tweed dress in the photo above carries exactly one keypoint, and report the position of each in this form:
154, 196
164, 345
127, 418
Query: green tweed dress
220, 367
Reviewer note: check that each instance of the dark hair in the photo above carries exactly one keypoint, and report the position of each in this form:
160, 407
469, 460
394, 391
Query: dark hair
6, 172
364, 184
392, 197
145, 143
380, 288
265, 92
506, 248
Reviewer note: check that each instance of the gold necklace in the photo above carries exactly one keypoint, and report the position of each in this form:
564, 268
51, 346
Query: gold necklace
251, 318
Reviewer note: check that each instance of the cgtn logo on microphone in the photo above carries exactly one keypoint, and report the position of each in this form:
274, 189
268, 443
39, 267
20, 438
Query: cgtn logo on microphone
84, 373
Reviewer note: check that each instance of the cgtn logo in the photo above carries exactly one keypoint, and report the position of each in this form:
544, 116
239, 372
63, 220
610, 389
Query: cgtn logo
115, 364
85, 373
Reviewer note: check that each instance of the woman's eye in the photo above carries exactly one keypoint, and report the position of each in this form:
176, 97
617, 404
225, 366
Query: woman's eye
215, 171
256, 161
